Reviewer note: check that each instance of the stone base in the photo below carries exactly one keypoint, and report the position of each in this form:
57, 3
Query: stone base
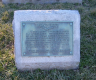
41, 1
47, 66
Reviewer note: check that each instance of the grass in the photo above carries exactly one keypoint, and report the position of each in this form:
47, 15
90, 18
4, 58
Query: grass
87, 67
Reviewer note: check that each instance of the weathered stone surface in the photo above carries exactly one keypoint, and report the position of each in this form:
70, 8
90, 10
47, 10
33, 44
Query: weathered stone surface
41, 1
46, 62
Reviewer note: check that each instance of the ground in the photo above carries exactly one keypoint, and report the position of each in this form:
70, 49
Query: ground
87, 67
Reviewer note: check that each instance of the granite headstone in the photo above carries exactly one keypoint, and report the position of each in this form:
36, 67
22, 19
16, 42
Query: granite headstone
41, 1
46, 39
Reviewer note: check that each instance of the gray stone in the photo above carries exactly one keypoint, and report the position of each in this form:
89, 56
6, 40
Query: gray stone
46, 62
41, 1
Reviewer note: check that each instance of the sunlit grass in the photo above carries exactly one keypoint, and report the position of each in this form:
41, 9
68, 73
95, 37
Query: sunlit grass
87, 68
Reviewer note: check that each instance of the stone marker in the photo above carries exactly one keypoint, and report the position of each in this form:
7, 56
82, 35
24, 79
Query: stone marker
46, 39
41, 1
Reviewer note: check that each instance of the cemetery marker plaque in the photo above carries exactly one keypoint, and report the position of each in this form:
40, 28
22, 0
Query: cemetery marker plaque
46, 38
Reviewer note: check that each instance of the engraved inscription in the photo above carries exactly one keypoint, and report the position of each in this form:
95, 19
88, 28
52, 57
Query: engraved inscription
41, 42
46, 27
47, 40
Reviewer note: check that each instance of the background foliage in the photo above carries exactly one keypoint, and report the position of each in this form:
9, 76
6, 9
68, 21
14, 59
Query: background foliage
87, 67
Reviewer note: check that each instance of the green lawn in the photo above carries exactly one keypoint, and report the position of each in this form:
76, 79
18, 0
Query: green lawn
87, 67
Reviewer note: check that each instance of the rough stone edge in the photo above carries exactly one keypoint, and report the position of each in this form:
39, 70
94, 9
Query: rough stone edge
41, 2
48, 66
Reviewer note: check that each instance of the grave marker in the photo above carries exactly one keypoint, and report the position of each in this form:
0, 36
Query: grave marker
47, 39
